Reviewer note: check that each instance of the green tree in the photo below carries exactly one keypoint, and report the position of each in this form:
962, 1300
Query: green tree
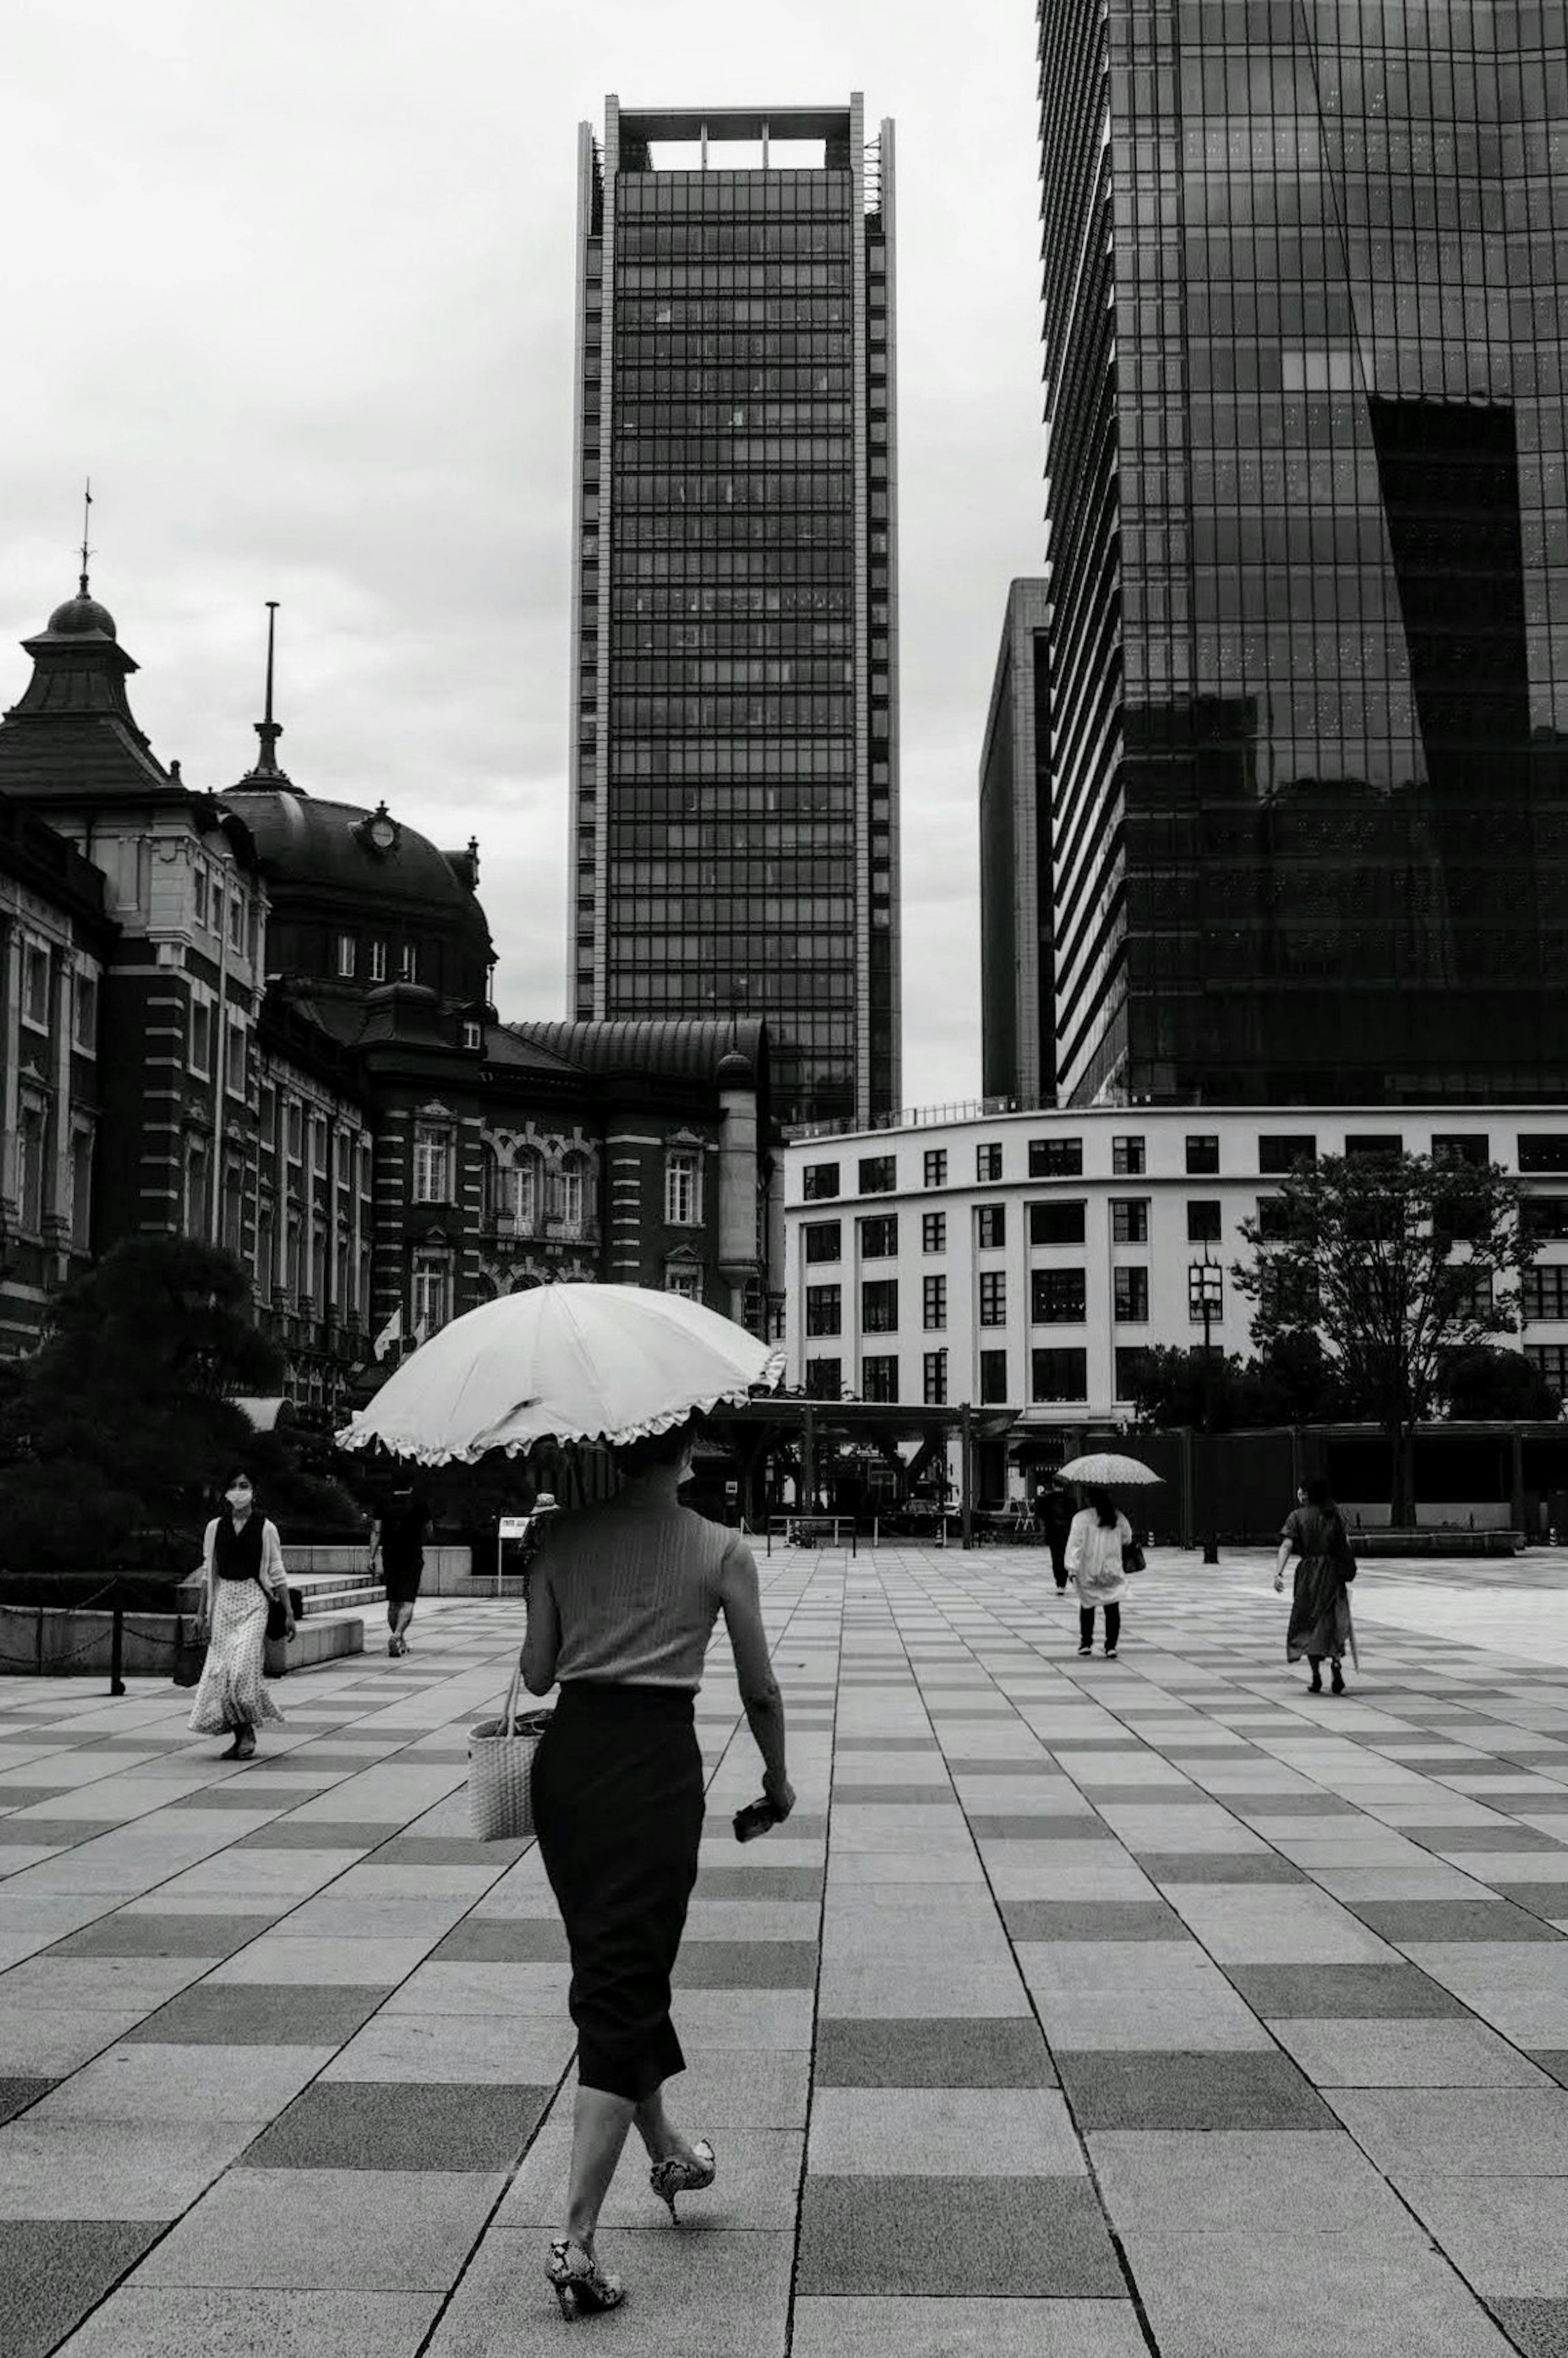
1486, 1383
1171, 1388
1396, 1263
124, 1423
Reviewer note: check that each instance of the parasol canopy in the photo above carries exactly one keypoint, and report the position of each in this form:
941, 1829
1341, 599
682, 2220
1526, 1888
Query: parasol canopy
1106, 1471
568, 1362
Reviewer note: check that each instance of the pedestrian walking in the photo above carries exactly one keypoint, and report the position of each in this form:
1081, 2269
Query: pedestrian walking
242, 1577
1096, 1538
1055, 1510
397, 1551
622, 1601
1320, 1626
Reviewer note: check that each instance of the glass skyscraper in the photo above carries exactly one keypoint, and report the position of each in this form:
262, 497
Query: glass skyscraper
735, 729
1304, 264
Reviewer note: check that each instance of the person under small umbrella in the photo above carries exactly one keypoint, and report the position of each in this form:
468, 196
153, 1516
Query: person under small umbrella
1099, 1533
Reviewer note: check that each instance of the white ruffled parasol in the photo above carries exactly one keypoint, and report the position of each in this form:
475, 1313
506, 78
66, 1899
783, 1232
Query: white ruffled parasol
1106, 1470
568, 1362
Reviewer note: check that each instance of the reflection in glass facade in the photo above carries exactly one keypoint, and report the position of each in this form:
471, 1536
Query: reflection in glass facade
735, 763
1304, 263
1017, 981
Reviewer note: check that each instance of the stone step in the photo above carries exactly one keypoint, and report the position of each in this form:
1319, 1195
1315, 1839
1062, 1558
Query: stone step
319, 1637
331, 1597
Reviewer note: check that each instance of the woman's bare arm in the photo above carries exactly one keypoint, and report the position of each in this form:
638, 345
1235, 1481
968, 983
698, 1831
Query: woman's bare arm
740, 1602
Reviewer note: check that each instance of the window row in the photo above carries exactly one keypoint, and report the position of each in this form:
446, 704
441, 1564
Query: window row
376, 955
77, 995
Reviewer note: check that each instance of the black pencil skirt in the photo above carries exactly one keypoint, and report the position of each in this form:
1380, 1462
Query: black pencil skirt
618, 1806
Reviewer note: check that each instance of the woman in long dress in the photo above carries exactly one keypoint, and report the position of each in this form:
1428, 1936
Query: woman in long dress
242, 1565
1095, 1537
623, 1600
1321, 1626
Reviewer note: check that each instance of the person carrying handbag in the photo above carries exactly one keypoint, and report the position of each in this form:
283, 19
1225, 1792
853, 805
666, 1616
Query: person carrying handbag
245, 1595
1095, 1542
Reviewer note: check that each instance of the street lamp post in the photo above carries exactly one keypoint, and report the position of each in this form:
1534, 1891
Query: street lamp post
1205, 1300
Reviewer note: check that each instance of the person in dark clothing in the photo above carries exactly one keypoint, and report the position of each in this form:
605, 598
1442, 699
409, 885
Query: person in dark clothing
1055, 1511
1321, 1626
397, 1551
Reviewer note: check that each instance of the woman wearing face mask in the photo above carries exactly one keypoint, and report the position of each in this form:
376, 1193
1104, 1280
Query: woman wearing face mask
621, 1602
242, 1569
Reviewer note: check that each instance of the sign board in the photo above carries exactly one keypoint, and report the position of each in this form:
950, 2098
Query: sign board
512, 1527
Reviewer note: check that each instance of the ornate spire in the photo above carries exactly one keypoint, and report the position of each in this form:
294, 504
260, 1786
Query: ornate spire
86, 518
269, 729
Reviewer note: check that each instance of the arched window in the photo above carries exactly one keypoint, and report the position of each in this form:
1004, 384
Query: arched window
519, 1199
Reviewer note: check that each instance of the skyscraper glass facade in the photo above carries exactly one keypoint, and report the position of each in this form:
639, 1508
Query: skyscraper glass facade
1304, 263
735, 748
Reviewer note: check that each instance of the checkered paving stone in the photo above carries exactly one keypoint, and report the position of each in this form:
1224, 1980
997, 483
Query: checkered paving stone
1081, 2006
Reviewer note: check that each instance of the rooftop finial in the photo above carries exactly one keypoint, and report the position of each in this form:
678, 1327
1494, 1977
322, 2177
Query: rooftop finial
86, 517
269, 729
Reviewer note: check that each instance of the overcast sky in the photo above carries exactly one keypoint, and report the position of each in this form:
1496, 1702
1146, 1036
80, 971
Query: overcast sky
293, 281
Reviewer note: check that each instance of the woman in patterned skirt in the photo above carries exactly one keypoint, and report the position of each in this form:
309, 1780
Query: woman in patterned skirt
241, 1565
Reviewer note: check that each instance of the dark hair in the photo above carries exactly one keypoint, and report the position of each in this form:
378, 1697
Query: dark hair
1104, 1505
1320, 1496
665, 1448
235, 1474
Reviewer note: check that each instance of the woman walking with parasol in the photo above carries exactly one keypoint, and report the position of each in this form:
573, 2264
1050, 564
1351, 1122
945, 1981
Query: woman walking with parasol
1099, 1543
622, 1602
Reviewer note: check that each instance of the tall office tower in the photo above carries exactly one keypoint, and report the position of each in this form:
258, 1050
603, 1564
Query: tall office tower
735, 724
1018, 1041
1304, 266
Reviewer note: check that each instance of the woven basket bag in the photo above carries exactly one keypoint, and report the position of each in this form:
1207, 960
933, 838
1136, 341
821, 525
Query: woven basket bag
501, 1770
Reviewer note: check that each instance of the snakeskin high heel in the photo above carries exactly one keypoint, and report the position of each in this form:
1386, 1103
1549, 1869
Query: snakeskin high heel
582, 2291
676, 2175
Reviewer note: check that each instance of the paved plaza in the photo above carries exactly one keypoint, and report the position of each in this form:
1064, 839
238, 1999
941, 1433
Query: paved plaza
1083, 2009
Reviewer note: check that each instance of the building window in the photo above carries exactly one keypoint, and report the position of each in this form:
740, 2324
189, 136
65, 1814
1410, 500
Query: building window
378, 961
934, 1232
1130, 1219
432, 1164
1277, 1155
1127, 1158
994, 1297
879, 1174
36, 986
1130, 1359
933, 1379
318, 1145
266, 1251
1478, 1299
268, 1116
993, 1378
684, 1278
295, 1130
1057, 1297
1130, 1296
935, 1167
1204, 1223
1551, 1359
202, 1032
431, 1294
990, 1227
1055, 1158
824, 1309
199, 893
474, 1034
825, 1378
1468, 1146
819, 1183
878, 1236
879, 1376
236, 921
520, 1193
879, 1305
345, 1157
235, 1075
1544, 1215
683, 1188
1545, 1290
347, 958
1059, 1375
409, 964
1203, 1156
196, 1190
30, 1139
81, 1191
824, 1240
568, 1192
987, 1161
1272, 1222
86, 1015
933, 1302
1056, 1223
1542, 1150
1373, 1146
